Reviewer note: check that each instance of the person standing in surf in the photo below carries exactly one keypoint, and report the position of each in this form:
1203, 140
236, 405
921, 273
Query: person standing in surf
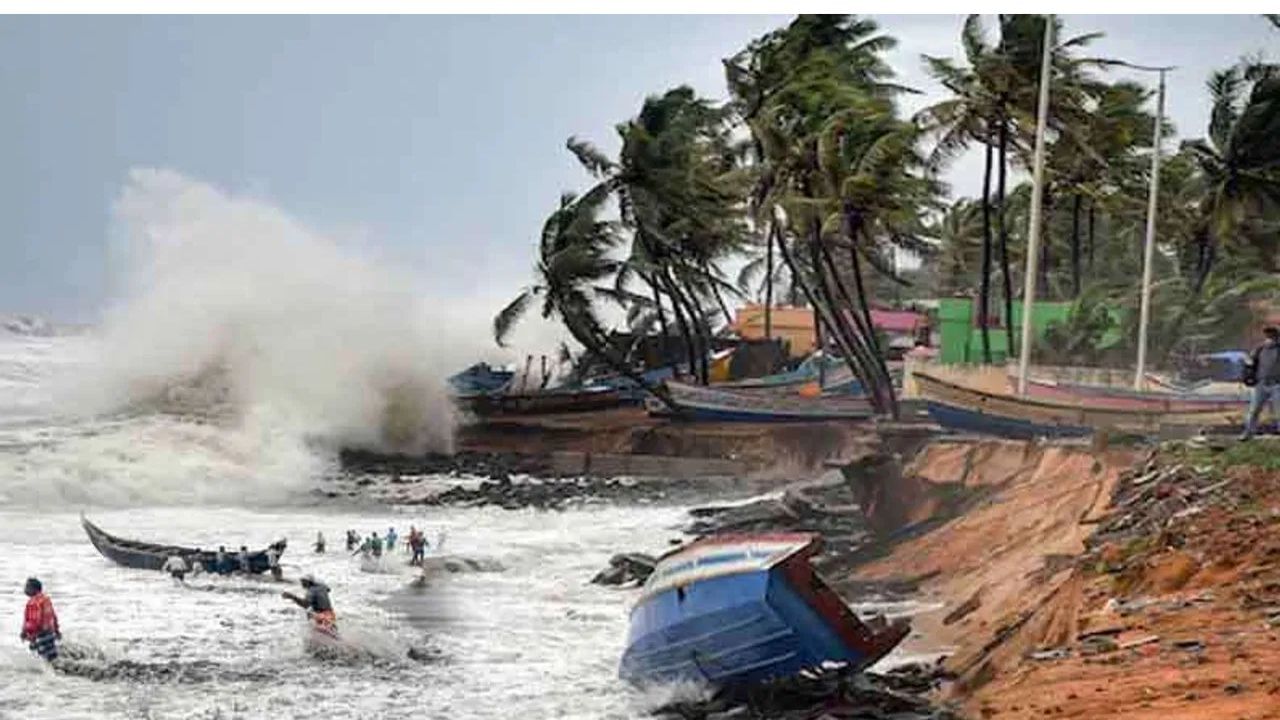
40, 622
319, 546
176, 567
391, 540
316, 602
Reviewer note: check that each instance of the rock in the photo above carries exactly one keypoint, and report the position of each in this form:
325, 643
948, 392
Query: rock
626, 568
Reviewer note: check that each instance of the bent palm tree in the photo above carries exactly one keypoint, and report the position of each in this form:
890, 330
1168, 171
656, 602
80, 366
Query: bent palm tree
573, 263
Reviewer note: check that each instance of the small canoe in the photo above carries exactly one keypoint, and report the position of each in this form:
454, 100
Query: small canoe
966, 409
1127, 399
151, 556
737, 609
716, 405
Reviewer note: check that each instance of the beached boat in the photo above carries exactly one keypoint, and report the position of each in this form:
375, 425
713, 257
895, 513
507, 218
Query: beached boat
737, 609
544, 402
151, 556
966, 409
721, 405
1128, 399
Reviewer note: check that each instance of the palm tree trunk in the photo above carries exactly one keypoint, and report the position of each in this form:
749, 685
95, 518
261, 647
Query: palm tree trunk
858, 352
984, 283
677, 309
1003, 233
768, 280
824, 314
715, 291
1091, 237
879, 358
591, 337
657, 304
1075, 246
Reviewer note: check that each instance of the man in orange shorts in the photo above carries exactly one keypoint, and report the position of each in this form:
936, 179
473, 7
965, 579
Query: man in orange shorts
316, 602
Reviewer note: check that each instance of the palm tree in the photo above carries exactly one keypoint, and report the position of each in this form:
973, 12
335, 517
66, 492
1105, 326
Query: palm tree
1239, 168
959, 236
681, 197
993, 103
832, 164
574, 262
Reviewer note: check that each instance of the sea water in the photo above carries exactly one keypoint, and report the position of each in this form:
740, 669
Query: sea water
525, 636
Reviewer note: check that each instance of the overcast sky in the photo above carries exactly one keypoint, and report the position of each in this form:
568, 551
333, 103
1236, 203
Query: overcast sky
436, 142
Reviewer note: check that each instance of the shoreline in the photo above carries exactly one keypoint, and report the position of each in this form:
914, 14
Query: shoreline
1007, 545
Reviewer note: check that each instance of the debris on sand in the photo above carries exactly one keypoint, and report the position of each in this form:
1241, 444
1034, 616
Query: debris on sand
899, 694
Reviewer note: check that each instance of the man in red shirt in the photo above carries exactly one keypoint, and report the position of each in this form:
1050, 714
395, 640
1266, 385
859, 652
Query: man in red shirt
40, 622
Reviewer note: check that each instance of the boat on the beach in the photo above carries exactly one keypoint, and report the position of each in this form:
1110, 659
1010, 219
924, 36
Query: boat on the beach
736, 609
544, 401
1129, 399
151, 556
957, 407
723, 405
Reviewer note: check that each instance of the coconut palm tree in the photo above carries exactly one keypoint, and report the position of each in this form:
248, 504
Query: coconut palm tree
1239, 168
832, 164
681, 197
993, 103
574, 266
959, 236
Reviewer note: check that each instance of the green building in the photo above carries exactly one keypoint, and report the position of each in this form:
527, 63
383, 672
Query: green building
961, 337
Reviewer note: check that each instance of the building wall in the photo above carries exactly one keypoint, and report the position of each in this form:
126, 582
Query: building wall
962, 338
791, 324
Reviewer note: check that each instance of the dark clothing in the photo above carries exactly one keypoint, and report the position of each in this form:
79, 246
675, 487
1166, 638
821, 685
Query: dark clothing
1266, 363
46, 646
317, 598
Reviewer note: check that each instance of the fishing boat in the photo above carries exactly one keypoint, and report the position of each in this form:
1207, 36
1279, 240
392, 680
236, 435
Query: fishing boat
1128, 399
737, 609
721, 405
544, 401
966, 409
151, 556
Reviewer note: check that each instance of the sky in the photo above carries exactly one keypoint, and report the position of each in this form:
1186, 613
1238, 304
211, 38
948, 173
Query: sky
434, 144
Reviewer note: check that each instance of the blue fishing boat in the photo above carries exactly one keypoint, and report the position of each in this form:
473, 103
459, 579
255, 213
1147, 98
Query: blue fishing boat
480, 379
736, 609
711, 404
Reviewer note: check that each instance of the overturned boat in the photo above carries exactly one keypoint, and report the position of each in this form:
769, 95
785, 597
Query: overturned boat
738, 609
151, 556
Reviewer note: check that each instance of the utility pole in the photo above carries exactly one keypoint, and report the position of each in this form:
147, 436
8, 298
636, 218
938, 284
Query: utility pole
1037, 195
1148, 252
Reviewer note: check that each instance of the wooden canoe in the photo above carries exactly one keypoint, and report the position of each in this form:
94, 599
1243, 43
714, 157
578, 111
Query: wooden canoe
961, 408
719, 405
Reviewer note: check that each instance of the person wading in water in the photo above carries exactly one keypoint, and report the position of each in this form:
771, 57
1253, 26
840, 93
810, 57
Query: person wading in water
40, 622
316, 602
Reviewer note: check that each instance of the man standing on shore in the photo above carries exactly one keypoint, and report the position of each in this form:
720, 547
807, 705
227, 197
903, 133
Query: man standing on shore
1263, 373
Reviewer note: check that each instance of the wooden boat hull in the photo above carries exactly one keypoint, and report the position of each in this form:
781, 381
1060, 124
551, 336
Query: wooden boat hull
151, 556
732, 610
544, 402
717, 405
960, 408
1124, 399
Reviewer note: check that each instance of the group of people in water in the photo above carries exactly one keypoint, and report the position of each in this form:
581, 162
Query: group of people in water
223, 562
375, 546
40, 622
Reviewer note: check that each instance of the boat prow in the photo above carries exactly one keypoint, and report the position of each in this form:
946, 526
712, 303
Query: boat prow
152, 556
738, 609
